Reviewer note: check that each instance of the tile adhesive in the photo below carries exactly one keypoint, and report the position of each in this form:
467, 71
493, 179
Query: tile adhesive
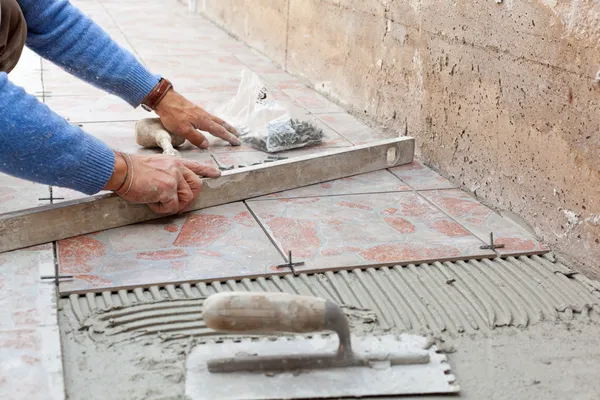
134, 343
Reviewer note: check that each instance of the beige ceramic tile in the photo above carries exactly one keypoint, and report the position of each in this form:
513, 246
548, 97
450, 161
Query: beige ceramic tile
373, 182
18, 194
95, 108
198, 73
27, 74
313, 101
30, 348
31, 364
25, 300
420, 177
351, 128
214, 243
482, 220
58, 82
364, 229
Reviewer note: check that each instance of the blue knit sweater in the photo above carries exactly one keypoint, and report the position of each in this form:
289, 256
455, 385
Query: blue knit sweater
37, 144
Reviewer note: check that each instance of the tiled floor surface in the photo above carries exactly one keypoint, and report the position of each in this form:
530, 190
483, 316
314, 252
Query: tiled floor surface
219, 241
364, 229
30, 349
409, 213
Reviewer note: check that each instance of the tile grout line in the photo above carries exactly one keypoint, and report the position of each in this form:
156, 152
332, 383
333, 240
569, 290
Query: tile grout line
121, 31
271, 239
452, 218
287, 37
102, 122
494, 211
50, 191
330, 195
335, 130
410, 189
42, 80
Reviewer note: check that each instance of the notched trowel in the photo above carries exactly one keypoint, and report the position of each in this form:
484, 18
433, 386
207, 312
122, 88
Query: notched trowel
296, 367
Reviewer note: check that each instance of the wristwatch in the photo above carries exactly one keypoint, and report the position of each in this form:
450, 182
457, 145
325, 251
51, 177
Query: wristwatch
156, 94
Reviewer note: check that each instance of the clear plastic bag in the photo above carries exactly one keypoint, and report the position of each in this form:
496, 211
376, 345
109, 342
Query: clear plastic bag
263, 123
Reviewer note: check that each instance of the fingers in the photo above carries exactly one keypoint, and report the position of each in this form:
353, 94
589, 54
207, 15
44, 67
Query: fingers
184, 190
169, 204
225, 125
207, 123
166, 184
195, 137
201, 170
194, 184
188, 187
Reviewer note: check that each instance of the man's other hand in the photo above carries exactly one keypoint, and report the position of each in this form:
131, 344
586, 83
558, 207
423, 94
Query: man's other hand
183, 118
168, 185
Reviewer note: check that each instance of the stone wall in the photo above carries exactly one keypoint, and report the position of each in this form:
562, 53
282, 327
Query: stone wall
503, 97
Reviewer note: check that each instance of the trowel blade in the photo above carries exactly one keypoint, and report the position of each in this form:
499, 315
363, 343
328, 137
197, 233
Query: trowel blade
413, 379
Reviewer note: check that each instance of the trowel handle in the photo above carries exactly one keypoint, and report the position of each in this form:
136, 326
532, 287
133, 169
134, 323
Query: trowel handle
243, 312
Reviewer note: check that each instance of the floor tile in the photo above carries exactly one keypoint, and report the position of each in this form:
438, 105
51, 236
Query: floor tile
294, 108
170, 46
98, 14
121, 136
31, 364
217, 242
313, 101
213, 61
27, 73
60, 194
18, 194
359, 230
58, 82
257, 62
148, 16
420, 177
282, 80
373, 182
482, 220
240, 159
270, 71
30, 349
198, 72
25, 300
95, 108
351, 128
187, 32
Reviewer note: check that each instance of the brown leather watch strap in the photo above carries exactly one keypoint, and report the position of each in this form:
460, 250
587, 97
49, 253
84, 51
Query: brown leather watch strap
156, 94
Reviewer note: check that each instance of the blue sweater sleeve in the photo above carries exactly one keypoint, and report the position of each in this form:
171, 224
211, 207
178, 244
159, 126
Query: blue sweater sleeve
38, 145
61, 33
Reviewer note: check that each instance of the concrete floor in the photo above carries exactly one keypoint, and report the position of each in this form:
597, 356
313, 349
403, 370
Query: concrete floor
551, 360
532, 335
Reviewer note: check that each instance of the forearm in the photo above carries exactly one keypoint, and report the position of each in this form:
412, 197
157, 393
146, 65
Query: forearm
61, 33
40, 146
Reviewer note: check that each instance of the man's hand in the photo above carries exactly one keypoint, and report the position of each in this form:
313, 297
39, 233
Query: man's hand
166, 184
181, 117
